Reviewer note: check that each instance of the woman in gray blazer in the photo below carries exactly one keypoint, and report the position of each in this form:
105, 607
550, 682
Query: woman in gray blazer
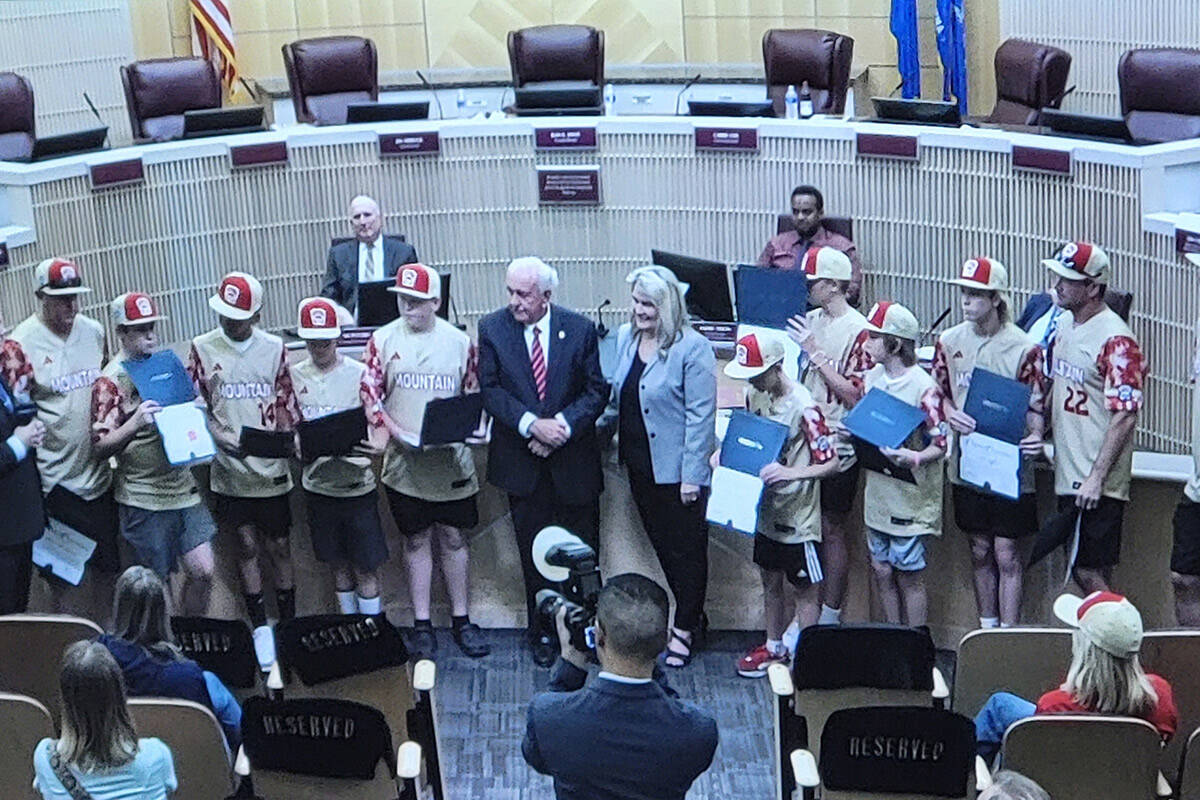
663, 406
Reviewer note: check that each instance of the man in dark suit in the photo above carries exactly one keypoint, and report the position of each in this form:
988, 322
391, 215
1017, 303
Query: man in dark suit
539, 371
20, 484
627, 735
367, 257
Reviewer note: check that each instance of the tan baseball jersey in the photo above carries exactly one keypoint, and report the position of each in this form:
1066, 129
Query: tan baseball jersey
1097, 369
245, 384
894, 506
840, 338
1008, 352
143, 477
1192, 489
405, 370
790, 513
63, 371
319, 394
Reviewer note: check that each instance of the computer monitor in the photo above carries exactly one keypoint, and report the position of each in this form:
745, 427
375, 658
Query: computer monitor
708, 296
386, 112
920, 112
66, 144
731, 108
1086, 126
769, 297
557, 94
221, 121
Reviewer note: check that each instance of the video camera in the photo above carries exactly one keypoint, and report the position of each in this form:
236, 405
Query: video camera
563, 558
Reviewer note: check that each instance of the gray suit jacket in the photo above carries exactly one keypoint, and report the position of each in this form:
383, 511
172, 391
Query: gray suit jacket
341, 269
679, 405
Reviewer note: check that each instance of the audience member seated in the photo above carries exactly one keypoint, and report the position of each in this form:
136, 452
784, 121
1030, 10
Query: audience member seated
151, 661
160, 90
1105, 677
819, 58
1029, 77
368, 257
98, 754
16, 116
1158, 93
1009, 785
786, 250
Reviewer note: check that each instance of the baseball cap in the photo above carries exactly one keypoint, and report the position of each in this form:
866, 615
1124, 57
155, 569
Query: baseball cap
239, 296
1108, 620
134, 308
419, 281
318, 319
894, 320
756, 353
58, 276
826, 262
982, 273
1077, 261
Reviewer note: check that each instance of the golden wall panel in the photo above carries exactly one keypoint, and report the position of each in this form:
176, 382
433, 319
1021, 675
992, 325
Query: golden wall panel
636, 31
473, 33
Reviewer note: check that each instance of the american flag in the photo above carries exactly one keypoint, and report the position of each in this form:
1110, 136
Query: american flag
213, 36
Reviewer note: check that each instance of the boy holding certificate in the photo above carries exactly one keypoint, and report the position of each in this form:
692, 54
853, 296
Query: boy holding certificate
158, 504
987, 339
339, 491
789, 514
898, 514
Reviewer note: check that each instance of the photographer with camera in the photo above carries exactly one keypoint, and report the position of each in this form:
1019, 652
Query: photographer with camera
627, 735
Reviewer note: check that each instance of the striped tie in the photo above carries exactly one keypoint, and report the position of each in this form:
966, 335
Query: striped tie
537, 360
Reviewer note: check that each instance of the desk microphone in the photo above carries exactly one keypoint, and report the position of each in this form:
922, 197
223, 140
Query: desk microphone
1057, 101
92, 106
939, 320
601, 328
433, 92
686, 86
899, 86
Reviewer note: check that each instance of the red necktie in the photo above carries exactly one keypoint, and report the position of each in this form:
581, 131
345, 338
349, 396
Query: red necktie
537, 360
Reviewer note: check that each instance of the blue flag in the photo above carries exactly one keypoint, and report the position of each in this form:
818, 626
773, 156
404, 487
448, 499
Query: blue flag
908, 56
952, 47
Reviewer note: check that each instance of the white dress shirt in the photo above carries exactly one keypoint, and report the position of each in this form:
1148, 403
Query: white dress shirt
370, 261
609, 676
543, 326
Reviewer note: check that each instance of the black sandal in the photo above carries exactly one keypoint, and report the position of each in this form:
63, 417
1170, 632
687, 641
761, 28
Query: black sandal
681, 659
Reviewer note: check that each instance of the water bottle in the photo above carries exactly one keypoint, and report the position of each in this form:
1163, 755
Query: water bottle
610, 100
789, 103
806, 104
462, 103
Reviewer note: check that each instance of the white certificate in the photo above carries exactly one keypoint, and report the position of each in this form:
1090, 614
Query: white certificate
990, 464
733, 500
64, 551
185, 435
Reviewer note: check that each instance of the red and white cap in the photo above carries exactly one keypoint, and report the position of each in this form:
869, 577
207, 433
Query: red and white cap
982, 273
58, 276
756, 353
894, 320
1108, 620
135, 308
1077, 261
419, 281
239, 296
826, 262
319, 319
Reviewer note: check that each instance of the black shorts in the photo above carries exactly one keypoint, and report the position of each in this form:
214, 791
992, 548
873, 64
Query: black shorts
790, 559
413, 515
272, 516
96, 519
1099, 532
346, 529
982, 513
839, 490
1185, 552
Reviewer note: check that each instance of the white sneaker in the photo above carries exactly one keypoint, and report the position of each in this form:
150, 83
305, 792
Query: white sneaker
264, 646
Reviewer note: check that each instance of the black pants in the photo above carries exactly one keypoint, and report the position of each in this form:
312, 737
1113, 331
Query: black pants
16, 569
532, 513
679, 535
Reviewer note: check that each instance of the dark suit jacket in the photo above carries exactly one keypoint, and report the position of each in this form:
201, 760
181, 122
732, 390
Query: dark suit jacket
575, 388
341, 269
20, 489
1038, 305
616, 741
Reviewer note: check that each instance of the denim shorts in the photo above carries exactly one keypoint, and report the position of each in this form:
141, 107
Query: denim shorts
160, 538
905, 553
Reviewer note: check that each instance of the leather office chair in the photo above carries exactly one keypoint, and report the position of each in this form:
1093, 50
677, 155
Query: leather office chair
159, 90
16, 116
1158, 93
328, 74
1029, 77
793, 56
840, 225
557, 56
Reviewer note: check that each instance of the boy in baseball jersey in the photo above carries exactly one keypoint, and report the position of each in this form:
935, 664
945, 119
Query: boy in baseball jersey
789, 514
987, 339
159, 505
899, 515
832, 337
1097, 371
339, 491
241, 373
1185, 554
65, 352
431, 491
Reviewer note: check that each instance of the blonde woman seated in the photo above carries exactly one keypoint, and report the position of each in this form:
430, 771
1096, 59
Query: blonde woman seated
663, 406
1106, 675
99, 752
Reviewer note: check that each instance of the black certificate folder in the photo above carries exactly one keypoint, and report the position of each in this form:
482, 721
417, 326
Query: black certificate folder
332, 435
266, 444
452, 419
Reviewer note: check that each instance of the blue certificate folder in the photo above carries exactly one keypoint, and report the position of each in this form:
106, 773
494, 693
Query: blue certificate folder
751, 442
161, 378
882, 420
998, 405
768, 296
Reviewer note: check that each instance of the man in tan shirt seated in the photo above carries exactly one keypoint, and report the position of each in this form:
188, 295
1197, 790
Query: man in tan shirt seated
786, 250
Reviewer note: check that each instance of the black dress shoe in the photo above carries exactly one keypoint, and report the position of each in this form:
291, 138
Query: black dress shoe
544, 649
422, 643
471, 641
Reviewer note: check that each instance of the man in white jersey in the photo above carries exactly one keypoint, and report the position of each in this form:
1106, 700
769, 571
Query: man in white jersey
241, 372
1097, 370
987, 339
65, 352
431, 490
1185, 554
833, 336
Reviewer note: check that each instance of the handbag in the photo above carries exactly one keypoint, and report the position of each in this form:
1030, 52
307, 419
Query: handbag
64, 775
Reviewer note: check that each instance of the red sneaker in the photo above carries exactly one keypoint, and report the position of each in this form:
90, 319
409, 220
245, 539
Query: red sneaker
755, 662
